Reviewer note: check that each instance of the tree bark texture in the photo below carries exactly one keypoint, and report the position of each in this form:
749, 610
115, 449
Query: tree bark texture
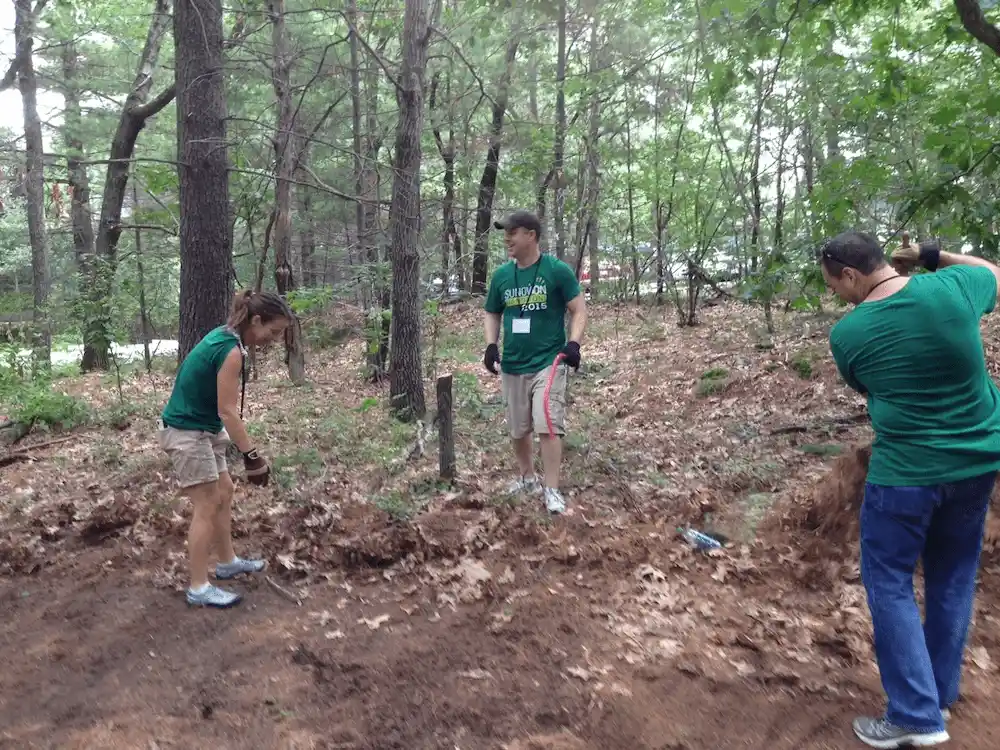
406, 385
488, 182
101, 265
284, 157
206, 234
27, 83
558, 165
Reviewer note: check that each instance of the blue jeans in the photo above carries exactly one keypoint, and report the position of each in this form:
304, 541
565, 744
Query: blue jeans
921, 665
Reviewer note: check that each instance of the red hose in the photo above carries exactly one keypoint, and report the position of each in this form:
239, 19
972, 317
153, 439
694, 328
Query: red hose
548, 390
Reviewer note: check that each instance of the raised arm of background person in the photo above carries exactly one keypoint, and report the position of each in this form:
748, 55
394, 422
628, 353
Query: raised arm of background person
981, 287
494, 312
577, 308
228, 384
492, 327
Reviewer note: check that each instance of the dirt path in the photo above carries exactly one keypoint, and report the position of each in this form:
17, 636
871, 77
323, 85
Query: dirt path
441, 618
541, 655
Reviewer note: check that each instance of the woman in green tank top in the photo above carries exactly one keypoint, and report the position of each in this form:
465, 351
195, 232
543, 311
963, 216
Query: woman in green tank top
203, 416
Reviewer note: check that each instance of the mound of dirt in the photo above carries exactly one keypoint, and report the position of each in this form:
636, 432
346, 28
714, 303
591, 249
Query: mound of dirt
825, 516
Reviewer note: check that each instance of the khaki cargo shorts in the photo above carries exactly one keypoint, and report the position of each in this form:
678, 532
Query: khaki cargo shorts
198, 457
525, 396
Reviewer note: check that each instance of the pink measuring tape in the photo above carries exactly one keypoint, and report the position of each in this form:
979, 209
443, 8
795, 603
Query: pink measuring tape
548, 390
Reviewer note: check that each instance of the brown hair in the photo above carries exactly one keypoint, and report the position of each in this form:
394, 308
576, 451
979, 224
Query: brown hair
248, 304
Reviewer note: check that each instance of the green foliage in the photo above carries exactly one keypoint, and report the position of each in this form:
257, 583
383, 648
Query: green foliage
309, 301
37, 402
712, 382
300, 463
802, 364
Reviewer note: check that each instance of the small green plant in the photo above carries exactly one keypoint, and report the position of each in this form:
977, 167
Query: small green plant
746, 474
822, 449
802, 365
309, 300
40, 405
108, 455
399, 508
755, 508
300, 464
712, 381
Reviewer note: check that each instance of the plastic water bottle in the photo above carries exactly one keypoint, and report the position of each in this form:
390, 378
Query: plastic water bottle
698, 540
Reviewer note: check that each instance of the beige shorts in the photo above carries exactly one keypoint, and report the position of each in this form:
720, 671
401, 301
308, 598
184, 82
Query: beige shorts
525, 397
198, 457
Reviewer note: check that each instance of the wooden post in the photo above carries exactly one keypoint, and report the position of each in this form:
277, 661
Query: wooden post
446, 429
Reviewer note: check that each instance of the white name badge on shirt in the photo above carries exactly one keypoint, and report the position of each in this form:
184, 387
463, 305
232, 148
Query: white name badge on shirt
520, 325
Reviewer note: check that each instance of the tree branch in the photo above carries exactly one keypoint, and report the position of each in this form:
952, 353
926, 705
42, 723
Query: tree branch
375, 55
317, 185
974, 21
147, 110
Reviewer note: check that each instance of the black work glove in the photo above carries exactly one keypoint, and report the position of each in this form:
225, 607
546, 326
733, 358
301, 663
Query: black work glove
930, 254
492, 358
257, 470
571, 355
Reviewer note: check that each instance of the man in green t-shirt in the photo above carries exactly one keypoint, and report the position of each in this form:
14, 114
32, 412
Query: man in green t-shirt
913, 346
528, 298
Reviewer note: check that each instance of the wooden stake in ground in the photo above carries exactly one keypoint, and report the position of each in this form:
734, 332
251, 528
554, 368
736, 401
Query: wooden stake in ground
446, 429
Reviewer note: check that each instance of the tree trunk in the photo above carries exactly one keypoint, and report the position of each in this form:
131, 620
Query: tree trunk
542, 179
406, 385
102, 265
367, 142
558, 166
79, 184
307, 234
284, 159
206, 238
284, 170
356, 115
755, 199
630, 188
449, 228
140, 274
34, 185
488, 182
593, 167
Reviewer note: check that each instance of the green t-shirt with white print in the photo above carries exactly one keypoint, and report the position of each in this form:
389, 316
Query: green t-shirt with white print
533, 302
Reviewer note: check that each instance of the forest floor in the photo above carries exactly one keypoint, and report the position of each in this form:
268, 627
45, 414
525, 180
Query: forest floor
432, 616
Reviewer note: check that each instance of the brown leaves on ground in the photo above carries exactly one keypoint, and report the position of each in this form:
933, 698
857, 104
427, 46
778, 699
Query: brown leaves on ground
378, 549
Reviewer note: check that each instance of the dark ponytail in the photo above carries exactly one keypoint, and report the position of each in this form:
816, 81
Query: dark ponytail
248, 304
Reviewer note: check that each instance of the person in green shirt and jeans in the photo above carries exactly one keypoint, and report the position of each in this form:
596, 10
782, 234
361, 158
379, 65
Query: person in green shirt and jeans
528, 299
912, 344
202, 417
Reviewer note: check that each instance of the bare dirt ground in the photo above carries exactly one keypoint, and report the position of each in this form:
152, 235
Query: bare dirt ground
401, 613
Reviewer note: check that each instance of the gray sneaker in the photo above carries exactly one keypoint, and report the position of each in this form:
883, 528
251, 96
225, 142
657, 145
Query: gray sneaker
554, 502
238, 567
213, 596
529, 485
883, 734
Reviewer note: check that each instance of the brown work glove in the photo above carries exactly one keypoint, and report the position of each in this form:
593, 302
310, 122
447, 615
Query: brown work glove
257, 470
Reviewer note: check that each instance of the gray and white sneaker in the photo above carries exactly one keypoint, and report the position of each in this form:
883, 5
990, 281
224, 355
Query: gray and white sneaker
884, 735
237, 567
524, 485
213, 596
554, 502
